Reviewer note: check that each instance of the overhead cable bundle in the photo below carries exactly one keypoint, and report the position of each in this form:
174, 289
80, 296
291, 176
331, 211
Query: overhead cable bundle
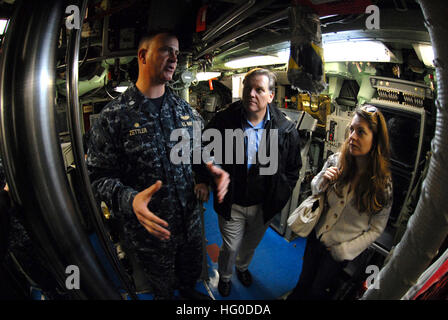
306, 61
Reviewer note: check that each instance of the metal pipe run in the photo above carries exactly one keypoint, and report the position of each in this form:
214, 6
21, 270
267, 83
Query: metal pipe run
228, 19
84, 191
30, 146
428, 226
273, 18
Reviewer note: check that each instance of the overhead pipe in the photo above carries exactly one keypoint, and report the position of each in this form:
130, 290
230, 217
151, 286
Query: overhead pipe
241, 47
428, 226
251, 12
124, 54
273, 18
84, 190
31, 149
230, 22
243, 16
227, 19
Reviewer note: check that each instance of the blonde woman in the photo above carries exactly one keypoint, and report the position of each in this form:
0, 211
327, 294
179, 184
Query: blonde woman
358, 186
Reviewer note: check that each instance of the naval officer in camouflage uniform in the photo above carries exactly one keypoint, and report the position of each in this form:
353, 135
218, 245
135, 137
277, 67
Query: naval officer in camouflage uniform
129, 151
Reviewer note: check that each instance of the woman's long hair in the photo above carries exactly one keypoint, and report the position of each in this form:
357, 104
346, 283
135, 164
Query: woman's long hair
371, 192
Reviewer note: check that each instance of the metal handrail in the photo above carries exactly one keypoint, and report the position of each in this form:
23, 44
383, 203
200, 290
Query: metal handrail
30, 146
84, 191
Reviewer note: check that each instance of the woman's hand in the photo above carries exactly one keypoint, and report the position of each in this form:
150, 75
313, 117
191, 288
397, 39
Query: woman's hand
332, 174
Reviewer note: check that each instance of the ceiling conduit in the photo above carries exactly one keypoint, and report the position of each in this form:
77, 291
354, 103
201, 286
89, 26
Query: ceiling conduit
271, 19
84, 191
227, 19
235, 19
428, 226
31, 149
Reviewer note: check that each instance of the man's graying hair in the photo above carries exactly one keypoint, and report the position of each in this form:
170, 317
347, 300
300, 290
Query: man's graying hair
264, 72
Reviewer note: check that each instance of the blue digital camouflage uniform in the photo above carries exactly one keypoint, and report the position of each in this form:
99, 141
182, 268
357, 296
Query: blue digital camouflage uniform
129, 150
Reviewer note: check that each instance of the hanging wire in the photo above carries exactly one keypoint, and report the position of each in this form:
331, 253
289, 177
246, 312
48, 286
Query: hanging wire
112, 97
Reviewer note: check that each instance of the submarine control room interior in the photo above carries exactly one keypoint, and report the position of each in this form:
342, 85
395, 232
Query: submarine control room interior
375, 52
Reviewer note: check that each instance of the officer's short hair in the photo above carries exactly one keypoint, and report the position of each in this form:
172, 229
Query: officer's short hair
264, 72
148, 36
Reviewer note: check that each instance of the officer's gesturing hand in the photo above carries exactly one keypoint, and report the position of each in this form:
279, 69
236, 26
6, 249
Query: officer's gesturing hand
222, 180
201, 192
149, 220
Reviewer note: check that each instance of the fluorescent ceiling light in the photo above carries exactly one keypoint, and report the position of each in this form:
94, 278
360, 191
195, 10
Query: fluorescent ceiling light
281, 58
203, 76
366, 51
3, 23
425, 53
